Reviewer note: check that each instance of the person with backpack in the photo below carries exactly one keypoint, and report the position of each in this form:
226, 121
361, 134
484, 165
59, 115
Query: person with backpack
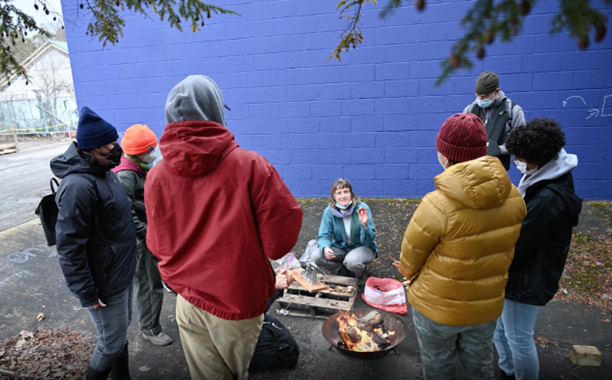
456, 253
547, 186
499, 114
96, 240
138, 145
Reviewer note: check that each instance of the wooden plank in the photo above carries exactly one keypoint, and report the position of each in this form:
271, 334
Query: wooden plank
297, 301
340, 280
7, 150
317, 302
297, 276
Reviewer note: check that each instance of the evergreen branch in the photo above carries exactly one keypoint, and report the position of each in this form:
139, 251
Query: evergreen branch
351, 35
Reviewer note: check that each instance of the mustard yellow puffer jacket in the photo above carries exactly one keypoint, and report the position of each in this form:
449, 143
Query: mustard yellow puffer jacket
460, 242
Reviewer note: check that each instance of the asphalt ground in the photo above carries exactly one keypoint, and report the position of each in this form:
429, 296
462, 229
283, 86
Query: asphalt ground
31, 282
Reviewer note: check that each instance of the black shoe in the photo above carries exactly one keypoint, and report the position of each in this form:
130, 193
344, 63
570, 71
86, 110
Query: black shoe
121, 365
345, 272
504, 376
92, 374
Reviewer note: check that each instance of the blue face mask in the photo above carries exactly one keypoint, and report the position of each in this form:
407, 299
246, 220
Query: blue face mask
344, 207
484, 103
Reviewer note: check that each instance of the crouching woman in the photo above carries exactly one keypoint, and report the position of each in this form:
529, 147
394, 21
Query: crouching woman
347, 233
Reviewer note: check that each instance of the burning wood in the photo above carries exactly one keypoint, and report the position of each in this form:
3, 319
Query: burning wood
365, 334
369, 321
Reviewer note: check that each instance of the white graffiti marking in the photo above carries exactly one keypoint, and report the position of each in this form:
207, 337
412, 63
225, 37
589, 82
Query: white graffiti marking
5, 264
603, 107
594, 112
20, 257
21, 274
575, 96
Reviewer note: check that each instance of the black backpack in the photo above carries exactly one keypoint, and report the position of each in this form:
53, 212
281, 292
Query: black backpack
276, 347
47, 212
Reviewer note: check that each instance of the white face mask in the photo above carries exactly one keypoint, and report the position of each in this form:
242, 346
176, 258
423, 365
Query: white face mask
151, 157
522, 167
440, 161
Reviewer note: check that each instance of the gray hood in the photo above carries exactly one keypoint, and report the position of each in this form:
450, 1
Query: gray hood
553, 169
196, 97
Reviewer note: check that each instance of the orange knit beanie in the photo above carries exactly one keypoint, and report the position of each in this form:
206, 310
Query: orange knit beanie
137, 140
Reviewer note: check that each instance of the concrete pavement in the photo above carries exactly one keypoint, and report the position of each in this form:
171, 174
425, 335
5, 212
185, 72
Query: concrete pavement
24, 178
31, 282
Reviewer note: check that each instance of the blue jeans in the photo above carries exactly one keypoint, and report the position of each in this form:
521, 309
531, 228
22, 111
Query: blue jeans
439, 345
514, 340
111, 324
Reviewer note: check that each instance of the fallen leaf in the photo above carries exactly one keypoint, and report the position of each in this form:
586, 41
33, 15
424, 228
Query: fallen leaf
144, 368
40, 317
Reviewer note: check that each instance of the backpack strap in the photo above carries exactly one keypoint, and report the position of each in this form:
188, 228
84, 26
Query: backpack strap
51, 181
509, 107
471, 109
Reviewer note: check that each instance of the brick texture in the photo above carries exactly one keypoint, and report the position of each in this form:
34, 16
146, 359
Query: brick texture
374, 116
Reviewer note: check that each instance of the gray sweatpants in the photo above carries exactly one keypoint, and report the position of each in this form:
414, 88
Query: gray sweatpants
354, 260
439, 345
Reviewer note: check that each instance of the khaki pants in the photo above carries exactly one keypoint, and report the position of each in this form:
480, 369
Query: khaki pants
216, 348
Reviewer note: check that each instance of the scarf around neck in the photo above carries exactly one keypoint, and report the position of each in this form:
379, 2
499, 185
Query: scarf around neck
342, 213
144, 166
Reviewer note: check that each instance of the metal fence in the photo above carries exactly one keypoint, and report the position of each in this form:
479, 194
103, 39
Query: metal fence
38, 116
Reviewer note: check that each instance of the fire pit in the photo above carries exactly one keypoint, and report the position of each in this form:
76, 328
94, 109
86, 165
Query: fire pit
369, 333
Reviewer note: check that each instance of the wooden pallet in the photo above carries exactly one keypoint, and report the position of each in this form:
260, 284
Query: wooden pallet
301, 303
5, 149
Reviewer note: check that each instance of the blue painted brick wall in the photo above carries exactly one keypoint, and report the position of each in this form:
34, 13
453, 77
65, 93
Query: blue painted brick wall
373, 117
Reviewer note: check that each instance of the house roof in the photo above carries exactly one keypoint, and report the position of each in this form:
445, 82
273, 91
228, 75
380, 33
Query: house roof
50, 44
60, 44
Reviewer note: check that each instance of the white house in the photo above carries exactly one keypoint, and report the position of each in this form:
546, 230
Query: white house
47, 101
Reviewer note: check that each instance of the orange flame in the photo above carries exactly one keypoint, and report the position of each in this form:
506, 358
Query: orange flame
366, 343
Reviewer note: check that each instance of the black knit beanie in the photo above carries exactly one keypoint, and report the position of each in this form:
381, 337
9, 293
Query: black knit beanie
486, 83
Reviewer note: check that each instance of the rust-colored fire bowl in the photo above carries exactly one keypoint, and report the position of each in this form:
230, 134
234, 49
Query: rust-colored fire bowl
364, 334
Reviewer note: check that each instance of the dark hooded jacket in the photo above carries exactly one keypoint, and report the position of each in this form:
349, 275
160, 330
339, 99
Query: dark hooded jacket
96, 240
541, 250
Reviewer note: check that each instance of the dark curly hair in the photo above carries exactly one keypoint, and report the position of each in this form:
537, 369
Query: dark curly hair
537, 142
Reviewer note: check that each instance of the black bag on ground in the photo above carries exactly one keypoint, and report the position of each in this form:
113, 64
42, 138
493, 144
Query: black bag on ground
47, 212
276, 347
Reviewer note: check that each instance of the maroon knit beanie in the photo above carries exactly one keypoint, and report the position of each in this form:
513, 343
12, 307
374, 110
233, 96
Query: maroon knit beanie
462, 137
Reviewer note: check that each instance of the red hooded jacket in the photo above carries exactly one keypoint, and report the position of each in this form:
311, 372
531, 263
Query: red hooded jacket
216, 212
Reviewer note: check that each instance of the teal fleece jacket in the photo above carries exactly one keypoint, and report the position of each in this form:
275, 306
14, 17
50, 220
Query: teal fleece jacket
333, 226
